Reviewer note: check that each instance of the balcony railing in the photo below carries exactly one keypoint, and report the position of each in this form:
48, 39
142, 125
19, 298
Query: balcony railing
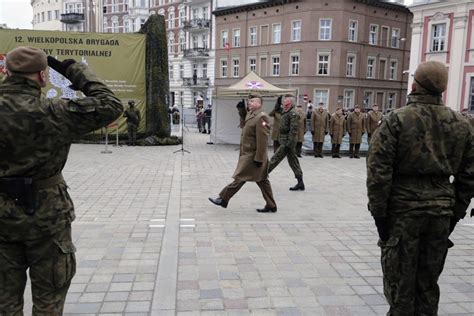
197, 24
72, 18
196, 82
196, 53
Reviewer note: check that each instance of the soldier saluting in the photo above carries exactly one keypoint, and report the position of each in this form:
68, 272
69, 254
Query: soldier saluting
288, 137
36, 210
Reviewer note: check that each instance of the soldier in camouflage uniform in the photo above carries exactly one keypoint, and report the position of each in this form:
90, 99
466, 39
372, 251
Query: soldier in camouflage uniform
133, 120
288, 138
36, 210
411, 158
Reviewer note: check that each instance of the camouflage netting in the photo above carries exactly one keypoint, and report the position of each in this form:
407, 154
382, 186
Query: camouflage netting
157, 82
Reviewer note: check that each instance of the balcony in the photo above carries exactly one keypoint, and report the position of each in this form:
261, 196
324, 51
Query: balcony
196, 82
196, 53
197, 24
72, 18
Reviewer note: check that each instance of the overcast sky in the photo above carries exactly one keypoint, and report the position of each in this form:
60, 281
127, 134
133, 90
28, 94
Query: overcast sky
19, 14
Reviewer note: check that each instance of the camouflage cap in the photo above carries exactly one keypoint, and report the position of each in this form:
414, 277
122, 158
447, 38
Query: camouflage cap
432, 76
25, 59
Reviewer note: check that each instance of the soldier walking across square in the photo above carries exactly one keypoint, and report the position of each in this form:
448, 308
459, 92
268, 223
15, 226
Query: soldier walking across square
288, 138
36, 210
253, 159
415, 204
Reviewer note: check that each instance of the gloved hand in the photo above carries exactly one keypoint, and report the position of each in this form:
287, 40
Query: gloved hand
330, 135
382, 228
369, 134
350, 134
257, 163
325, 133
312, 132
60, 66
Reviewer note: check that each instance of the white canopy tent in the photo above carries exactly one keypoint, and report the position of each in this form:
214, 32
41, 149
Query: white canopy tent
225, 118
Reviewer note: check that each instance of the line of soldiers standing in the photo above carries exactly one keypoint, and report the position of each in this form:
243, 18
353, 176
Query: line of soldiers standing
321, 123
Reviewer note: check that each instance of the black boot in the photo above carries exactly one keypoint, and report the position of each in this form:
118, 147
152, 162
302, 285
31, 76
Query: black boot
320, 150
219, 201
333, 150
315, 149
338, 148
351, 150
356, 153
299, 185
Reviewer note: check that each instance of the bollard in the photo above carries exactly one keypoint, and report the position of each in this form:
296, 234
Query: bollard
106, 150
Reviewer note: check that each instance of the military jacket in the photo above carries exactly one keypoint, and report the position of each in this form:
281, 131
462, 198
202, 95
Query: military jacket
133, 116
35, 137
289, 128
356, 127
373, 120
301, 124
412, 156
276, 124
337, 128
320, 125
253, 147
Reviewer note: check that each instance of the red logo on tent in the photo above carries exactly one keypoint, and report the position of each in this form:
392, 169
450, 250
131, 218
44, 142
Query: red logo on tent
254, 85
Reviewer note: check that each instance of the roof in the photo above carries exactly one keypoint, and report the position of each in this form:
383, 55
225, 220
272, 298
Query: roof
385, 4
252, 83
250, 7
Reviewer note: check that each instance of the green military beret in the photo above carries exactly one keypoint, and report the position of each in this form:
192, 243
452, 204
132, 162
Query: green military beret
432, 76
25, 59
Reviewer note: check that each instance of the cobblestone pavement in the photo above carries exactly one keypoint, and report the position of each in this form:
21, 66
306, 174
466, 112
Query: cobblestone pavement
150, 243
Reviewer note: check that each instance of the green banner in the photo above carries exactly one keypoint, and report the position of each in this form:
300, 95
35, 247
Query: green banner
117, 59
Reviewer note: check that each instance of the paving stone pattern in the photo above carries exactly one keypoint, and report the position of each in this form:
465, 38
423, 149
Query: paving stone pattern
143, 216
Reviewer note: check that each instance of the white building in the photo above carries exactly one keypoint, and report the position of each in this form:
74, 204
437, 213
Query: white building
443, 31
47, 14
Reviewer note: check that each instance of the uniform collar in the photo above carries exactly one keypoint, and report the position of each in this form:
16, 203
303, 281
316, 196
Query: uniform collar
17, 84
425, 98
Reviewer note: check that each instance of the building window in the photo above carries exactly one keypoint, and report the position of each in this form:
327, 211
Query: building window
325, 29
236, 38
438, 37
224, 38
296, 31
275, 65
50, 15
42, 16
471, 97
171, 44
182, 17
391, 99
373, 34
368, 99
170, 20
204, 70
181, 98
395, 38
323, 64
205, 13
348, 99
195, 41
204, 41
182, 42
181, 71
195, 13
276, 33
235, 67
321, 96
295, 65
253, 64
224, 68
371, 67
126, 26
170, 72
350, 66
393, 70
253, 36
353, 27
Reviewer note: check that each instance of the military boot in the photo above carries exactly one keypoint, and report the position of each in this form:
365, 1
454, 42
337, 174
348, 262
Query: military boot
338, 148
315, 149
351, 150
333, 150
320, 150
299, 185
356, 152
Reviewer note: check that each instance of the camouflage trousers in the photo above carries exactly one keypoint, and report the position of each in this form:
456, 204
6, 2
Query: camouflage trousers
412, 260
132, 133
290, 153
51, 263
